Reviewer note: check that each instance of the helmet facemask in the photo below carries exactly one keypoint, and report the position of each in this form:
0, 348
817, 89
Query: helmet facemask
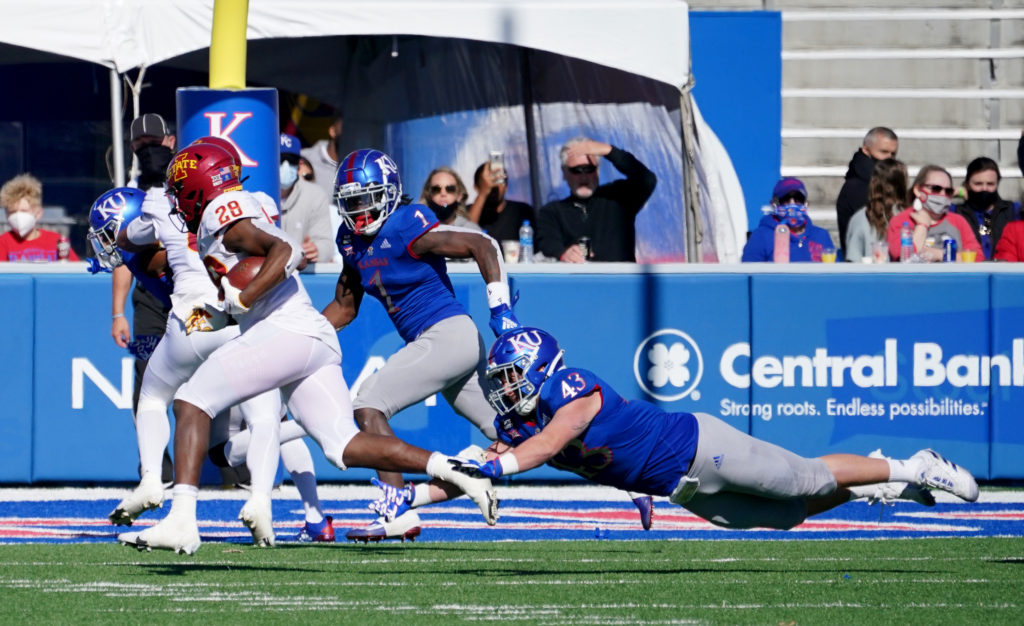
363, 209
510, 383
104, 243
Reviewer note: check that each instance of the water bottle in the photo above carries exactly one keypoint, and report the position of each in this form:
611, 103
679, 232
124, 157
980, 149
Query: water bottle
526, 242
906, 243
63, 248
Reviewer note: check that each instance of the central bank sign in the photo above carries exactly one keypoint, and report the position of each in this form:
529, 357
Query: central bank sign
669, 364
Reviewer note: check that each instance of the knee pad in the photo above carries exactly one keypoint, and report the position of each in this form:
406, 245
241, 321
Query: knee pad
149, 403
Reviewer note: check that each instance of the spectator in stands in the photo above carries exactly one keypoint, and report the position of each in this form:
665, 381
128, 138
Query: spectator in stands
985, 212
323, 157
22, 198
929, 216
806, 241
604, 213
880, 143
446, 195
305, 208
499, 217
887, 191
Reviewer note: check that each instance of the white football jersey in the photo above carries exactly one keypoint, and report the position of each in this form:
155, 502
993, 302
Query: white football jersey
287, 305
192, 285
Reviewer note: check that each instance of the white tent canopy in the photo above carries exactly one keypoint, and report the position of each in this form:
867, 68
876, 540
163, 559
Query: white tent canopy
647, 38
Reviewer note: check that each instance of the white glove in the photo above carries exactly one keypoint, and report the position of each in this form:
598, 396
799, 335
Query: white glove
204, 319
232, 303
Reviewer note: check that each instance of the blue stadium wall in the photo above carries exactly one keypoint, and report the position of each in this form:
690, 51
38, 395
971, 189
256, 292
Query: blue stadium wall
817, 363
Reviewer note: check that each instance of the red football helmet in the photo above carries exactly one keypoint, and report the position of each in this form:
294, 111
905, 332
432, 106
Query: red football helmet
196, 176
227, 144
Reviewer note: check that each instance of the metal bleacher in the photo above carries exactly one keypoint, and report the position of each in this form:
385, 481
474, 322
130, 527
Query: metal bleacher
947, 76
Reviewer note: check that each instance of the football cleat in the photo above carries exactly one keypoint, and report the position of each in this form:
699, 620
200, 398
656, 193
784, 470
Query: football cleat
149, 494
645, 504
887, 493
257, 517
406, 526
935, 470
393, 501
319, 533
172, 533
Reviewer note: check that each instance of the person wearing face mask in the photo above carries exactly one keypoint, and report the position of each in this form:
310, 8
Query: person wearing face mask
605, 214
879, 143
984, 210
931, 197
305, 208
445, 194
499, 216
789, 207
22, 198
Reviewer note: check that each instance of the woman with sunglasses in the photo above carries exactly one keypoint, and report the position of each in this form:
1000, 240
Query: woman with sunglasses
445, 194
985, 212
930, 219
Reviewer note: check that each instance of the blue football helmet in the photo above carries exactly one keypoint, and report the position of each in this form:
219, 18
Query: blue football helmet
111, 211
367, 189
518, 363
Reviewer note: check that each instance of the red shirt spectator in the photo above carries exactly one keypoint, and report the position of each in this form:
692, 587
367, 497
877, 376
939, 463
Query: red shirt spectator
22, 198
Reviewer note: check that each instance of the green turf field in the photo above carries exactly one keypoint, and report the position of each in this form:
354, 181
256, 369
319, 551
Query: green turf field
918, 581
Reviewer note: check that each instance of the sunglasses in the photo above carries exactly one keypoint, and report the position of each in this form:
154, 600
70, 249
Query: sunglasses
947, 191
583, 169
436, 189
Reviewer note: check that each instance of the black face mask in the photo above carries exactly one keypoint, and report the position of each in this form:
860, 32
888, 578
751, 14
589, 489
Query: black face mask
442, 212
153, 162
982, 200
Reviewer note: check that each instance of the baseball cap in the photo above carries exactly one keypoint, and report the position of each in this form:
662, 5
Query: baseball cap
148, 125
787, 186
290, 144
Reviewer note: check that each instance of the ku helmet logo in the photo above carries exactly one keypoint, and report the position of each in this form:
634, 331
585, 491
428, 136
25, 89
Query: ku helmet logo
112, 206
526, 341
386, 165
668, 365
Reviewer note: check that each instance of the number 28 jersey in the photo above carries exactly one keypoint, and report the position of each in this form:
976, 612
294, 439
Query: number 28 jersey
632, 445
286, 305
415, 291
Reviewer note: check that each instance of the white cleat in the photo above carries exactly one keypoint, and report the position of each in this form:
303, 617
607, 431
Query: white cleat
172, 533
480, 490
888, 493
149, 494
405, 526
935, 470
257, 516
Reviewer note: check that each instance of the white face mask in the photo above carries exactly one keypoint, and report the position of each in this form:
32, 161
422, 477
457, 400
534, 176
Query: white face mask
22, 222
288, 174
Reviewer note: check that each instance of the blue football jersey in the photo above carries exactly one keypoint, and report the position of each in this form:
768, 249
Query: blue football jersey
415, 291
631, 445
161, 287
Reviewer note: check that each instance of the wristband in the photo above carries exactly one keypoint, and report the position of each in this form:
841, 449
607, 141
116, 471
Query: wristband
509, 464
116, 315
498, 294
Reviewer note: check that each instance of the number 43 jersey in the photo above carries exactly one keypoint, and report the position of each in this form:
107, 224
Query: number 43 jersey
632, 445
286, 305
415, 291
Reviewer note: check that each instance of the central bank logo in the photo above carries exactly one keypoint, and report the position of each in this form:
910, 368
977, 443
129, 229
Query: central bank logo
668, 365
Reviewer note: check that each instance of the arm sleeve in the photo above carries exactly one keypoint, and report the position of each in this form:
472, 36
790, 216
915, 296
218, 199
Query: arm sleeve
892, 237
1006, 249
640, 181
757, 248
855, 240
141, 231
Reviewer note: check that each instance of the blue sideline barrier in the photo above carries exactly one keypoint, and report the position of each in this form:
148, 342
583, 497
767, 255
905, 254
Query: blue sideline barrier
845, 360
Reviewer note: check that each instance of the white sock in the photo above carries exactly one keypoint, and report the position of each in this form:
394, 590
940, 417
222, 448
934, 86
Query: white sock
861, 491
153, 432
184, 500
904, 471
421, 495
261, 459
299, 463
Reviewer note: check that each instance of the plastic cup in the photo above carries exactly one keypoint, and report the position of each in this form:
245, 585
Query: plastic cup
969, 256
510, 247
828, 255
880, 252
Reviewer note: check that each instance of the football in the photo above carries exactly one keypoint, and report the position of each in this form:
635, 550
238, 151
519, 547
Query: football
244, 271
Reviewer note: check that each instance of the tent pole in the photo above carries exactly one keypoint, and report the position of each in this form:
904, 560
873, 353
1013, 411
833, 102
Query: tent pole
115, 127
531, 139
691, 184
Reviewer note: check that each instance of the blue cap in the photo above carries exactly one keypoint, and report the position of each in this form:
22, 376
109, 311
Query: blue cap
787, 186
290, 144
